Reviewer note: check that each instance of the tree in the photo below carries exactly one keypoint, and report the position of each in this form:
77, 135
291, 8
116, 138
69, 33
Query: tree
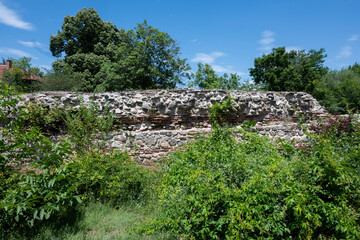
339, 91
110, 59
84, 33
281, 70
206, 78
87, 42
146, 58
22, 75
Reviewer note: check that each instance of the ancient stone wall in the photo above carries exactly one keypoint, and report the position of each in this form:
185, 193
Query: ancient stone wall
157, 121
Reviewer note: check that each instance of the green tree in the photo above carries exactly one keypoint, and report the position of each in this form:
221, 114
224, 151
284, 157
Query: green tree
355, 68
87, 42
283, 70
146, 58
20, 73
206, 78
339, 91
110, 59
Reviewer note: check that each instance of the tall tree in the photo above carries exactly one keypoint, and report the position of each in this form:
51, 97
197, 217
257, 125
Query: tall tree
283, 70
110, 59
339, 90
146, 58
206, 78
84, 33
87, 42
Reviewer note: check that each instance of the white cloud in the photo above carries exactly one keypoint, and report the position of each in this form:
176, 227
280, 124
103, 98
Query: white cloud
345, 52
30, 44
12, 51
227, 69
292, 48
207, 58
268, 34
267, 40
218, 54
194, 40
353, 38
11, 18
210, 59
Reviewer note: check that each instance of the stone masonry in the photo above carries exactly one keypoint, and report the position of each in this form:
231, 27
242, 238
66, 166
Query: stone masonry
154, 122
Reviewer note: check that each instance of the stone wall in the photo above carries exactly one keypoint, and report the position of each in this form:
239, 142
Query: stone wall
157, 121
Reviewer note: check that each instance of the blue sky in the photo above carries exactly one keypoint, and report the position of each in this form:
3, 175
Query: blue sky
226, 34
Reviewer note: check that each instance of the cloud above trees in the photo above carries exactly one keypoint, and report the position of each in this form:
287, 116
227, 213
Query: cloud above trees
13, 51
211, 58
11, 18
345, 52
267, 40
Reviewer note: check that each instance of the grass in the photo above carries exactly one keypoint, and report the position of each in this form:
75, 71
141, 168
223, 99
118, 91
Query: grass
99, 222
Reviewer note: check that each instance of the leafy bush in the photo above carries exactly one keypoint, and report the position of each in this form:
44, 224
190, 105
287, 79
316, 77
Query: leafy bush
217, 188
50, 121
29, 197
339, 91
219, 110
62, 80
85, 123
34, 197
112, 178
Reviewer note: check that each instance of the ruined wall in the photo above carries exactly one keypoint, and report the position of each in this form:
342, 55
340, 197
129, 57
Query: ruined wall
156, 121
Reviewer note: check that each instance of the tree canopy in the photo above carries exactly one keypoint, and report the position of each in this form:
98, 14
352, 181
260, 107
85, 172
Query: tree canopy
206, 78
83, 34
146, 58
339, 90
283, 70
111, 59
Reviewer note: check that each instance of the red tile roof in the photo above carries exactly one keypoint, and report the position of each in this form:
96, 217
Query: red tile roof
3, 68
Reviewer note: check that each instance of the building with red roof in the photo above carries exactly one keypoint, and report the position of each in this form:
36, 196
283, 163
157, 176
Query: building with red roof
8, 67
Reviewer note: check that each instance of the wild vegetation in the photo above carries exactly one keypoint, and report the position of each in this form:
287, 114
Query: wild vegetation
216, 187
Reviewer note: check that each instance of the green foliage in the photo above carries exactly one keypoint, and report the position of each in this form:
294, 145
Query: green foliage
219, 110
83, 34
217, 188
146, 58
34, 197
49, 121
289, 71
87, 42
19, 74
85, 126
63, 79
251, 86
29, 197
339, 91
106, 59
112, 178
206, 78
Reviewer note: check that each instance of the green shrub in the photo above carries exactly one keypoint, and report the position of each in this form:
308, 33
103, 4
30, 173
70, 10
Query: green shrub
217, 188
27, 198
339, 91
219, 110
85, 124
34, 197
50, 121
112, 178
